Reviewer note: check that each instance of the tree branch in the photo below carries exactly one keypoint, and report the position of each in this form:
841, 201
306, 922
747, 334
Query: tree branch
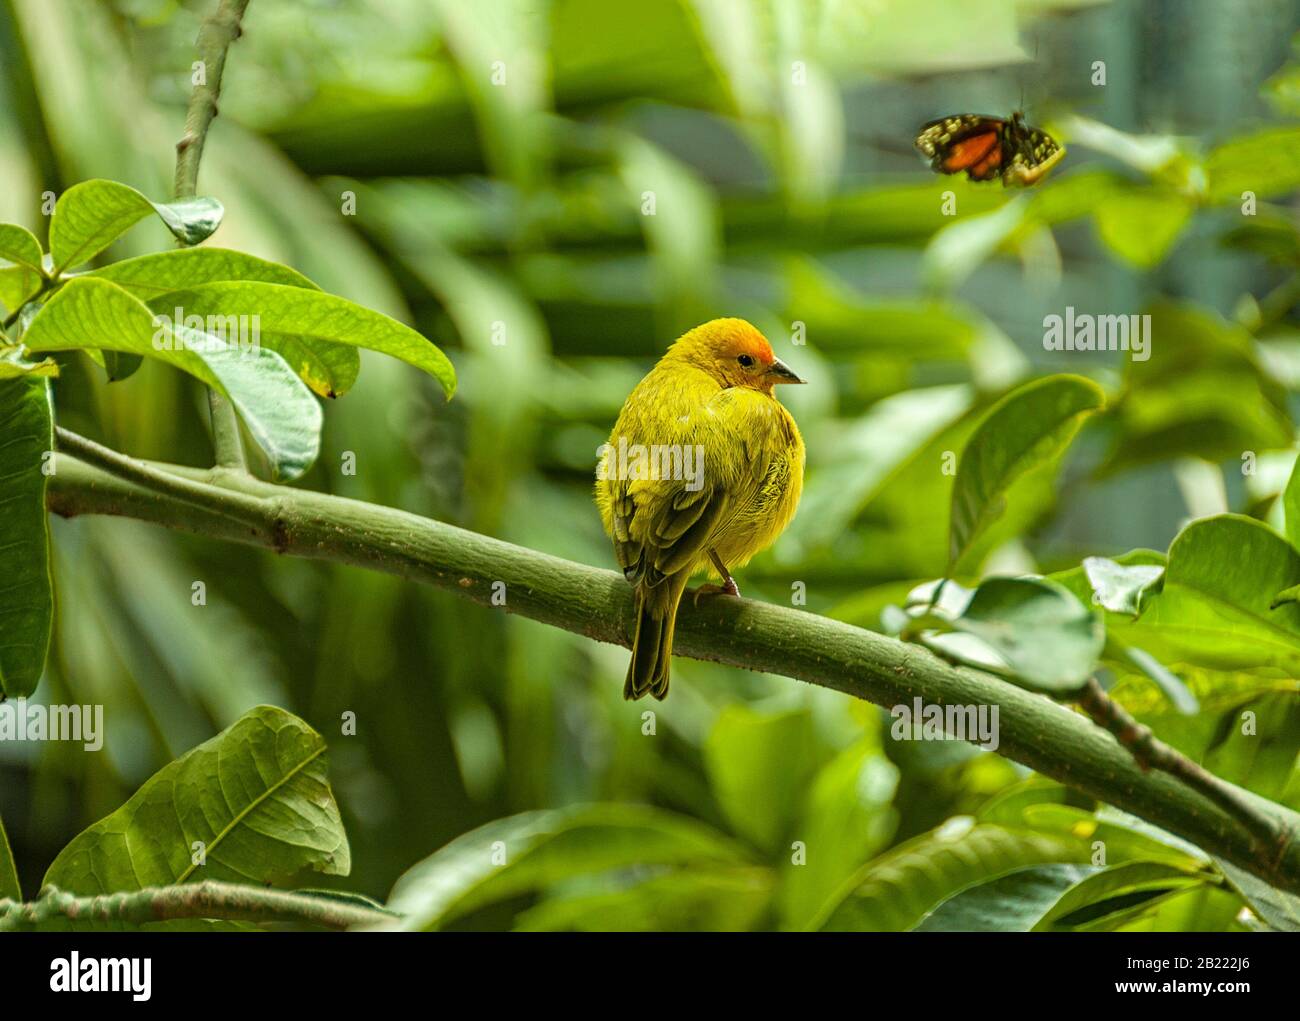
209, 899
1035, 731
1152, 753
215, 38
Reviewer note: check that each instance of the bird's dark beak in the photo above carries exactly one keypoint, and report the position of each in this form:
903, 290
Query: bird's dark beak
782, 373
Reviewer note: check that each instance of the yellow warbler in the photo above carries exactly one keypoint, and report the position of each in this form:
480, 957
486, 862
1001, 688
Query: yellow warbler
703, 469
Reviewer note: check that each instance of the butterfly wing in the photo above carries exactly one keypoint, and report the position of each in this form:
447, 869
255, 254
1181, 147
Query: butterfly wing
1033, 154
966, 141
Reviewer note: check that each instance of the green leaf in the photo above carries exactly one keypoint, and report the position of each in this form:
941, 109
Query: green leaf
119, 366
848, 818
1119, 587
1116, 892
1266, 163
1027, 428
1281, 910
759, 764
307, 326
9, 885
535, 850
1291, 506
14, 368
1204, 393
19, 245
1140, 225
1048, 639
700, 899
17, 285
894, 892
1178, 693
280, 413
26, 597
1213, 608
151, 276
1012, 903
91, 215
256, 798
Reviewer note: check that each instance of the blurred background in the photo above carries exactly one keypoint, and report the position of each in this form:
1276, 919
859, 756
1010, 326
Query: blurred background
365, 144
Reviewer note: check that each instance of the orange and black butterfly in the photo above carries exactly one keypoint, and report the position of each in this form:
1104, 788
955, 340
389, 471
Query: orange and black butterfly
989, 147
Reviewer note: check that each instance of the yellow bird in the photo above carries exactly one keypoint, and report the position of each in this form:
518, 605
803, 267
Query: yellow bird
704, 469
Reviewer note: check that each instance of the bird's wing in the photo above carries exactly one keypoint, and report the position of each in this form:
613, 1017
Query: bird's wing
663, 525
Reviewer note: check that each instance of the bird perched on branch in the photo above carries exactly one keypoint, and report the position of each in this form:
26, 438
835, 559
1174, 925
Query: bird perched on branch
703, 469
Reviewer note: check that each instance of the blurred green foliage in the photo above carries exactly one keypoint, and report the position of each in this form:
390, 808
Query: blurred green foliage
774, 142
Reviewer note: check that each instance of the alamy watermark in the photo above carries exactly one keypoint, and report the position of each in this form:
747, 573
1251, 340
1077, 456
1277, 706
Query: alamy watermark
206, 334
1081, 331
21, 720
922, 721
681, 463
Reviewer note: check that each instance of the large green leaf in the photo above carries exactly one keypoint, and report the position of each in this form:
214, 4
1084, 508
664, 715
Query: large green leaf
1049, 641
91, 215
758, 765
538, 849
1029, 427
26, 597
295, 321
255, 800
1214, 607
1011, 903
9, 885
280, 413
893, 892
151, 276
1060, 896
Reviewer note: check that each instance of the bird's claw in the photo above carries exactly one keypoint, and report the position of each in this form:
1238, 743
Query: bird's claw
729, 588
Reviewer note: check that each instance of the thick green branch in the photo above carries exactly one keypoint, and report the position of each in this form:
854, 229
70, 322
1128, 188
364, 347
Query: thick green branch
1035, 731
209, 899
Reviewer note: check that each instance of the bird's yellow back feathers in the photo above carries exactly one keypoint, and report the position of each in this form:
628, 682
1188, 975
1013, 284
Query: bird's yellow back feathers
703, 460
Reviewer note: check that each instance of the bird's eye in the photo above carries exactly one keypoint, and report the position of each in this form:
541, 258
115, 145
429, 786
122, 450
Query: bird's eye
745, 360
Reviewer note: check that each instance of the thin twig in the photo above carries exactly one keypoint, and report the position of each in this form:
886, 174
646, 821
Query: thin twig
197, 494
215, 38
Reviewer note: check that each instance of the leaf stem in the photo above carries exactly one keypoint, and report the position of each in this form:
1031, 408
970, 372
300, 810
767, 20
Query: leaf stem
209, 899
215, 38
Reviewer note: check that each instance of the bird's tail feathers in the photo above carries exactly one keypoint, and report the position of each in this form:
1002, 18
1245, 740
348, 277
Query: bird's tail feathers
652, 643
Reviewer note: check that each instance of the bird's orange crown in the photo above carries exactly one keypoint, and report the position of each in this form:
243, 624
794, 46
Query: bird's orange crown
734, 353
